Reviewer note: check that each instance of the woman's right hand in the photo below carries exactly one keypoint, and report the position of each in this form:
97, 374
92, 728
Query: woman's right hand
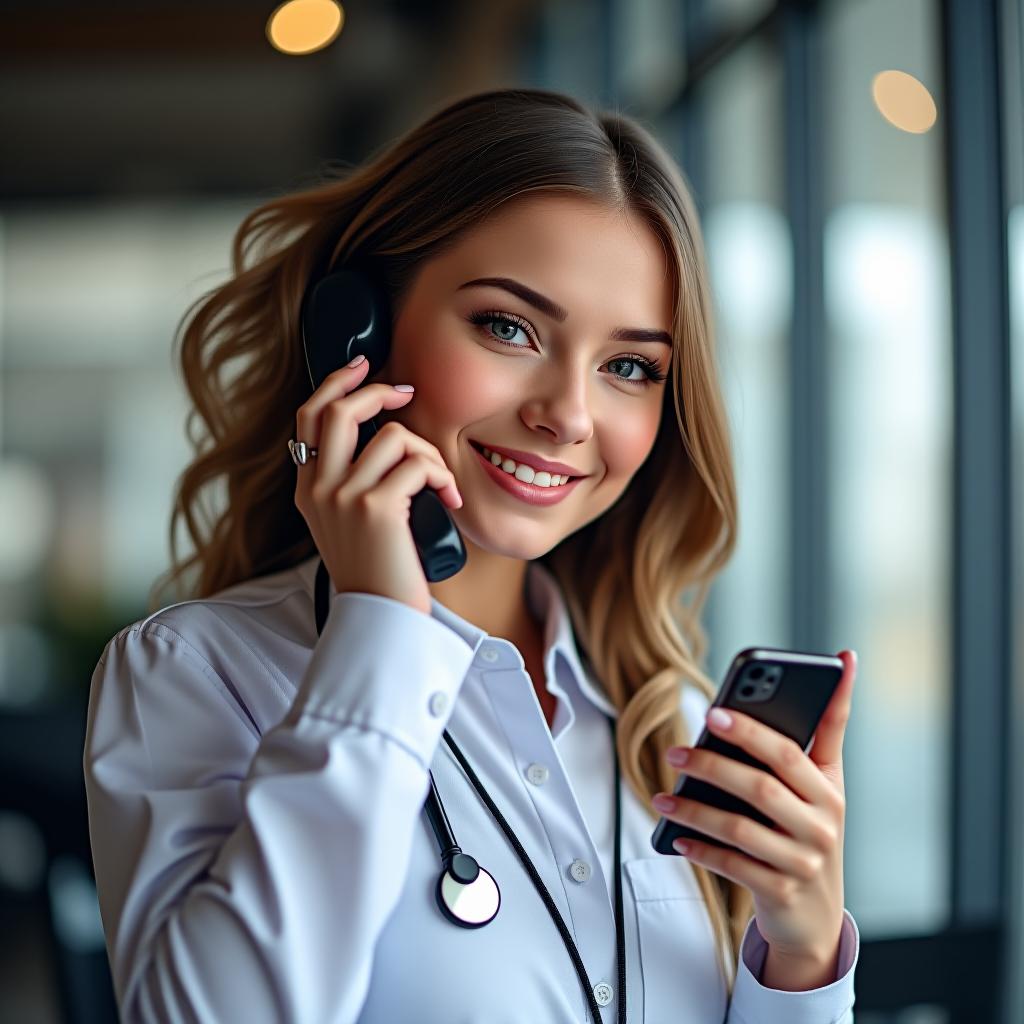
358, 512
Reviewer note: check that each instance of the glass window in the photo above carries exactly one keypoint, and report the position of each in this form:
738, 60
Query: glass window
92, 419
750, 263
888, 316
719, 17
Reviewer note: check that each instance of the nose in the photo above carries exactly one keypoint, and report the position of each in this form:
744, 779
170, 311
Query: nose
563, 408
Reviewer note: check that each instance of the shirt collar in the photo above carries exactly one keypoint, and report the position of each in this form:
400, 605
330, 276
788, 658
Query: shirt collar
548, 604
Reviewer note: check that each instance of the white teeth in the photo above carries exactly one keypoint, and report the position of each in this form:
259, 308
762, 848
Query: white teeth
521, 471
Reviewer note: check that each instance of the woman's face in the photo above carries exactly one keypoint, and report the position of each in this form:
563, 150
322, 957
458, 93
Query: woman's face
551, 382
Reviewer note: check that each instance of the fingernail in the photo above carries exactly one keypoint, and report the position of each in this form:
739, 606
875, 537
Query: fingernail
358, 359
663, 803
716, 716
404, 387
677, 757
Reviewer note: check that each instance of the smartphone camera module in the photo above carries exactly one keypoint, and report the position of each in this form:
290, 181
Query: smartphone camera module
758, 683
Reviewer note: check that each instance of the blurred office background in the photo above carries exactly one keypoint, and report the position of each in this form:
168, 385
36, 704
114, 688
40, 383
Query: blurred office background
859, 169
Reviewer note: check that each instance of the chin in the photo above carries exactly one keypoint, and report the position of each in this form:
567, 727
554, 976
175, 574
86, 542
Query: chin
522, 545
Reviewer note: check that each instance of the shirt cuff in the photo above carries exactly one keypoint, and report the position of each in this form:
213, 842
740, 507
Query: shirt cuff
752, 1001
380, 664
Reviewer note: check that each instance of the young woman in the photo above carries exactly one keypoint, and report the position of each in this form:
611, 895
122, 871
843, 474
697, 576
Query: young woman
262, 758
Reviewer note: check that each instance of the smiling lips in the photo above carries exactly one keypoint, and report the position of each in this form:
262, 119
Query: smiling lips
532, 494
524, 472
535, 462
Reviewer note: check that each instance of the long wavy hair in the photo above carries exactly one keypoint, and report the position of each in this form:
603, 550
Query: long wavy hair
635, 580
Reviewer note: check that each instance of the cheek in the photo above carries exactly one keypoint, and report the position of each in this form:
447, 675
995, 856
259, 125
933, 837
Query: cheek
626, 445
456, 385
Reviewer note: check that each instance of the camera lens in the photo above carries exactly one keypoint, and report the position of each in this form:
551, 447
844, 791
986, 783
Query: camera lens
757, 672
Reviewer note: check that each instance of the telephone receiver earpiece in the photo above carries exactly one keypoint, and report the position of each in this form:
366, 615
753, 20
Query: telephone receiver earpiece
345, 314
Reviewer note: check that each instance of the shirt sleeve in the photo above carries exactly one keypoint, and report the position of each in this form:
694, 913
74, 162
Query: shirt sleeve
752, 1003
248, 877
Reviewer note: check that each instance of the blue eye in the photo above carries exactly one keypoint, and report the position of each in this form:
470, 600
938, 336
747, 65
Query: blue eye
510, 319
653, 371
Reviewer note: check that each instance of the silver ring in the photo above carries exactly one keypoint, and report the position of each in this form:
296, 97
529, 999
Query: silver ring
300, 452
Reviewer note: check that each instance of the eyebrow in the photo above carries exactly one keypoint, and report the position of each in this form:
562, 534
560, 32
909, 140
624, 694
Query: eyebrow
551, 308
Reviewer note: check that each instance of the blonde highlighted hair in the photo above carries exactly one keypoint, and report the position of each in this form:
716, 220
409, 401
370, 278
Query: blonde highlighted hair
635, 580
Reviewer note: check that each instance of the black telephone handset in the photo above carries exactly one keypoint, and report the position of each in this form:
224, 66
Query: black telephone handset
785, 690
347, 313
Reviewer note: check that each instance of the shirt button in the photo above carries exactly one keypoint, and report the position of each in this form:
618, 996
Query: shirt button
580, 870
438, 703
537, 774
603, 993
489, 654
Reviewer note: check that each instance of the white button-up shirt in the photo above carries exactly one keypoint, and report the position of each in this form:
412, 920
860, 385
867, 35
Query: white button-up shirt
261, 852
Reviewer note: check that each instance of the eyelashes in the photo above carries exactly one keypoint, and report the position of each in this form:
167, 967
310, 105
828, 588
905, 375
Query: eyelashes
652, 369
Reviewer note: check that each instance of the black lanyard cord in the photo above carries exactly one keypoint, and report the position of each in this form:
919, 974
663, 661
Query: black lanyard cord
546, 896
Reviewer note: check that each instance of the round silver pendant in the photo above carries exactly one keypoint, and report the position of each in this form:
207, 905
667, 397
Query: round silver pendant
468, 904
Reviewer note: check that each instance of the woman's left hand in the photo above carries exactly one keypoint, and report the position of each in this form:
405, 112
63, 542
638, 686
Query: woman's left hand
794, 871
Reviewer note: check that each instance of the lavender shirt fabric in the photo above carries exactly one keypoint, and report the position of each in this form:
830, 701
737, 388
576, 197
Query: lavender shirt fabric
261, 852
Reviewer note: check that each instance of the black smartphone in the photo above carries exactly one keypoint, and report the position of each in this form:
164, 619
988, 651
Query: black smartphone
347, 313
786, 690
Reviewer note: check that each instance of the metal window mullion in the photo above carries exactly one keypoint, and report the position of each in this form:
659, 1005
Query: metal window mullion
981, 524
1010, 29
807, 403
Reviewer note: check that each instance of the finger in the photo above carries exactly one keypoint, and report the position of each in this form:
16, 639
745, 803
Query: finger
307, 422
334, 386
775, 849
411, 475
759, 789
393, 445
338, 430
732, 864
828, 738
783, 755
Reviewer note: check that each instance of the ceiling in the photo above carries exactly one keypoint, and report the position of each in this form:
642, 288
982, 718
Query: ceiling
159, 98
